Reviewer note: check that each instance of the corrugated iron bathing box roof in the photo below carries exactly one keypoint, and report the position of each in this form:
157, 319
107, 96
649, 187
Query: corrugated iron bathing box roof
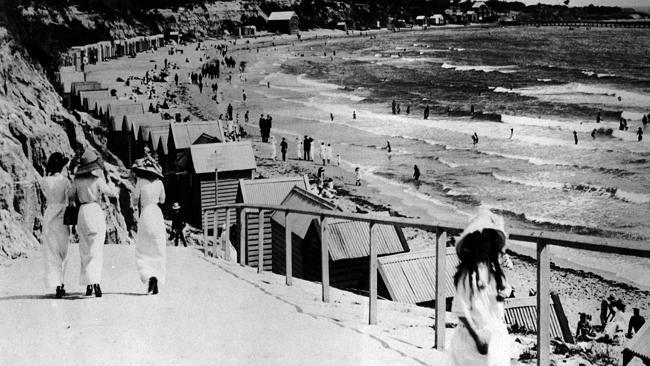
639, 346
186, 133
223, 157
118, 109
349, 239
281, 15
411, 277
301, 198
136, 121
271, 191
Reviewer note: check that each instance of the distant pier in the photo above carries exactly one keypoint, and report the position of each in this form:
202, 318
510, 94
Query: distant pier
583, 23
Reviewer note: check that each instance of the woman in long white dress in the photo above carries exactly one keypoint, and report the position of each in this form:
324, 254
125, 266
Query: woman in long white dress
299, 149
481, 338
56, 236
151, 239
89, 186
274, 147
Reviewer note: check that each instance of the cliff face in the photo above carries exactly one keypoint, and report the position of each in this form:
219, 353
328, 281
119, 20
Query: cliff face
34, 124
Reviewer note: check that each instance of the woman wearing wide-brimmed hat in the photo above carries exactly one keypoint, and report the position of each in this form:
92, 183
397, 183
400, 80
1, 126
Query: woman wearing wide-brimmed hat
150, 241
481, 337
89, 185
56, 235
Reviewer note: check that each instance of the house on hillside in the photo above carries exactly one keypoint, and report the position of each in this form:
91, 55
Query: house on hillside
349, 251
270, 191
421, 21
483, 12
521, 316
437, 19
283, 22
214, 175
184, 134
299, 224
411, 277
638, 347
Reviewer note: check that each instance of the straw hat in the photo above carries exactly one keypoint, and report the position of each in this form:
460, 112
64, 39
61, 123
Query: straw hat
484, 220
147, 165
176, 206
88, 163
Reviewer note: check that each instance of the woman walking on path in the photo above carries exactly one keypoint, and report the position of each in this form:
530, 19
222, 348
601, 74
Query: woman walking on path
89, 185
56, 235
481, 337
150, 241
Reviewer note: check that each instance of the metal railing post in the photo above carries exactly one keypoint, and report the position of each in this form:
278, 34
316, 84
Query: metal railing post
543, 303
372, 301
324, 259
441, 297
205, 233
215, 229
260, 241
226, 233
288, 248
242, 236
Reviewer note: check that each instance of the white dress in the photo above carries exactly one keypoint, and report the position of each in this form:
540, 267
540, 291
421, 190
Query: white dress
299, 150
482, 307
56, 236
274, 148
151, 239
91, 226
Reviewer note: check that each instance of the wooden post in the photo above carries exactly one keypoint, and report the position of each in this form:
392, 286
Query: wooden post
543, 301
441, 297
288, 247
372, 301
324, 259
205, 232
260, 241
226, 243
242, 236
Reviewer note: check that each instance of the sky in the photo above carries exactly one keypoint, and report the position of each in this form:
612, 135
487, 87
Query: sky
621, 3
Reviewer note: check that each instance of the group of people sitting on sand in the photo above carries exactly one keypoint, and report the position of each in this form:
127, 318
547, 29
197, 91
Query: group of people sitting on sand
613, 319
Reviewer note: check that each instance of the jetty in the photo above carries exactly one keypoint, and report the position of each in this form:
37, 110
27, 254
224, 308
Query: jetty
642, 23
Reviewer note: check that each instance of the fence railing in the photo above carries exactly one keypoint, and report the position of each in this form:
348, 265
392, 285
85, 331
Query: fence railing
543, 242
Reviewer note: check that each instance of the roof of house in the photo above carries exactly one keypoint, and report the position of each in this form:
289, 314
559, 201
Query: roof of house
349, 239
522, 312
118, 109
282, 15
223, 157
136, 121
271, 191
478, 4
186, 133
639, 346
411, 277
301, 198
420, 17
437, 16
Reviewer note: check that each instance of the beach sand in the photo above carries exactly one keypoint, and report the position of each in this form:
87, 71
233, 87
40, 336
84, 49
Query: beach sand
580, 291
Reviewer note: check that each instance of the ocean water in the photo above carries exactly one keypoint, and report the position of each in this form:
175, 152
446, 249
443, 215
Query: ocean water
544, 84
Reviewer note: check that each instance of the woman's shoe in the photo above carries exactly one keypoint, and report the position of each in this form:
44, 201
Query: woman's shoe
98, 290
59, 292
153, 286
89, 290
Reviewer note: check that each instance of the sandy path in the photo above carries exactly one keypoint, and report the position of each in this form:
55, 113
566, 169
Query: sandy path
207, 313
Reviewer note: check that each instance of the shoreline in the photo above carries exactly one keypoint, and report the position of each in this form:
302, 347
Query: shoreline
580, 289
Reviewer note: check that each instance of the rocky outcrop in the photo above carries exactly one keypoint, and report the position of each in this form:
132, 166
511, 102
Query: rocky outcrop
34, 124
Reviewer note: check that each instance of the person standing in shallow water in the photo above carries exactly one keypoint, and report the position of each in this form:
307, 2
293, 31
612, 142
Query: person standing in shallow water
150, 241
575, 137
639, 133
56, 235
481, 337
88, 188
416, 173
